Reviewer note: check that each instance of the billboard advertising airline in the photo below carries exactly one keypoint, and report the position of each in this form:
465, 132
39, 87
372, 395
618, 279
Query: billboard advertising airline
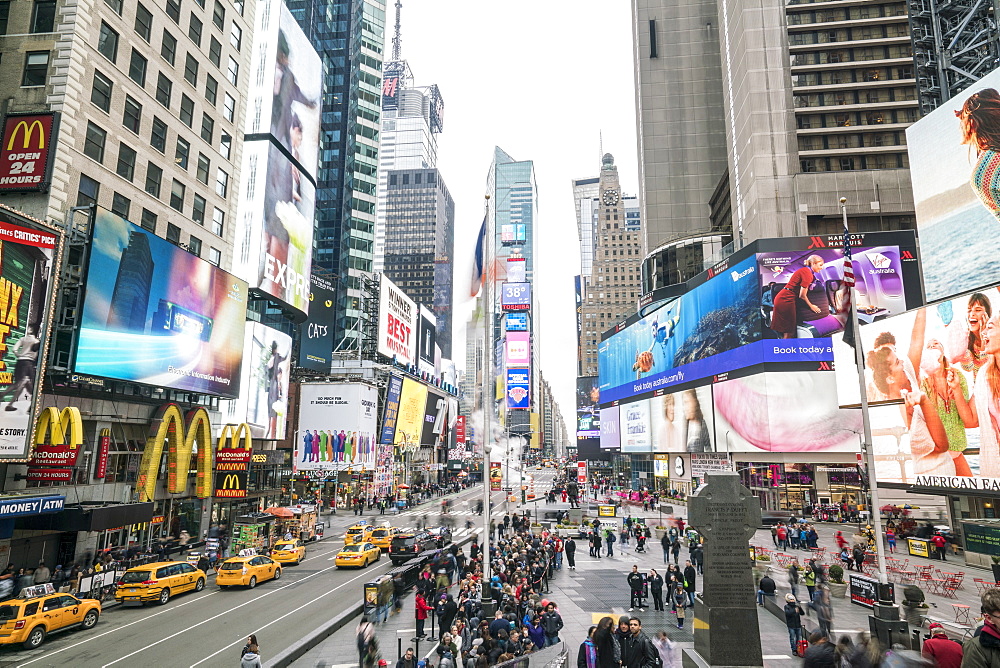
159, 315
338, 427
954, 160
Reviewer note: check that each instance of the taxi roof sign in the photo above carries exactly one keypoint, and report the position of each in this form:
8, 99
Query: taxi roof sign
35, 591
248, 552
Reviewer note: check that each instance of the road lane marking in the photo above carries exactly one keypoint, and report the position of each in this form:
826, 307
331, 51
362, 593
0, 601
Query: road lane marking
290, 612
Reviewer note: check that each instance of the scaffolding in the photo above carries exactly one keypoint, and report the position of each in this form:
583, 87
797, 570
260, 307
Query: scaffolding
955, 43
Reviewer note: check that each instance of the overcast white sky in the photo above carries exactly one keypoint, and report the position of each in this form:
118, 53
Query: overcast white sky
544, 80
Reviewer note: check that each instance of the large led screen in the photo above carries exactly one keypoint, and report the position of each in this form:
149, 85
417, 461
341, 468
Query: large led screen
705, 332
938, 366
338, 425
26, 257
791, 411
953, 169
263, 400
273, 246
316, 333
398, 320
410, 417
588, 411
636, 431
435, 427
159, 315
518, 348
611, 428
683, 421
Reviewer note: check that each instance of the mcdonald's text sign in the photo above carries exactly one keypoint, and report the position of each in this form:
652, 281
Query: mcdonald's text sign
26, 151
231, 484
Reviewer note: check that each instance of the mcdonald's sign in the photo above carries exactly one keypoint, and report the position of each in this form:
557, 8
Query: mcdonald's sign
231, 484
234, 449
58, 437
26, 151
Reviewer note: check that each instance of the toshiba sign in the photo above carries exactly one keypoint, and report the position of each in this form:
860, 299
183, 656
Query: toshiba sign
26, 151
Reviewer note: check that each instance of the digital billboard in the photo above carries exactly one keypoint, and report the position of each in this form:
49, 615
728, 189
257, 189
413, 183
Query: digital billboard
435, 426
27, 148
610, 428
518, 388
636, 430
516, 322
513, 233
953, 165
26, 262
263, 400
937, 367
588, 411
515, 296
274, 235
286, 87
789, 411
517, 269
683, 421
390, 411
518, 348
159, 315
397, 323
338, 425
426, 341
316, 333
410, 419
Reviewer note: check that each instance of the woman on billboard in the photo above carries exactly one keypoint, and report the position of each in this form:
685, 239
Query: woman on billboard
979, 119
965, 344
986, 394
784, 318
698, 439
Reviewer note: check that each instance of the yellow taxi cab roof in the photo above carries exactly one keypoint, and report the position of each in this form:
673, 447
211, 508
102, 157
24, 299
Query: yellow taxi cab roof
285, 542
155, 564
240, 559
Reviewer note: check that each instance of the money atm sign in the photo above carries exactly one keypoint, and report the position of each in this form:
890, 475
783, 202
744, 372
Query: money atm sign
26, 151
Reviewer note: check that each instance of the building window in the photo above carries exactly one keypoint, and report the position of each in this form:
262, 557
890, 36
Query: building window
187, 110
191, 70
116, 5
211, 89
137, 68
194, 29
198, 209
215, 52
93, 145
121, 205
218, 221
4, 16
221, 183
234, 71
177, 190
158, 135
132, 116
181, 153
107, 42
143, 22
88, 191
154, 176
846, 164
126, 162
43, 16
219, 15
236, 36
194, 245
164, 86
207, 127
229, 108
239, 6
100, 94
392, 179
173, 233
215, 256
168, 47
204, 167
225, 146
148, 220
174, 10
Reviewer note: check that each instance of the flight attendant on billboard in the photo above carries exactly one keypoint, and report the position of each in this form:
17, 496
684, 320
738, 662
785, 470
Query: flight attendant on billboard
784, 317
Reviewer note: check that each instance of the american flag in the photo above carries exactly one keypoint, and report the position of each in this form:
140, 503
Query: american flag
848, 264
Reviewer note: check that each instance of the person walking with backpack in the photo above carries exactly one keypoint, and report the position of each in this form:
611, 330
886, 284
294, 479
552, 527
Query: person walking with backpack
638, 650
609, 537
793, 621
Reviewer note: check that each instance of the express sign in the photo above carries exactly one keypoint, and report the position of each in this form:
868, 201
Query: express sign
26, 151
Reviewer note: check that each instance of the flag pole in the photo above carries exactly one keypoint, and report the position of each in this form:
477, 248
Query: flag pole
866, 442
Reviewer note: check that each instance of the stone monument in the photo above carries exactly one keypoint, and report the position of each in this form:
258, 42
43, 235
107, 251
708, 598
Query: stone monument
726, 632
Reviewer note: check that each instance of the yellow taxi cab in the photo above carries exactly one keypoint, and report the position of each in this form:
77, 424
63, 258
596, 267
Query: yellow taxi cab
358, 555
356, 533
39, 611
381, 537
247, 570
289, 551
158, 582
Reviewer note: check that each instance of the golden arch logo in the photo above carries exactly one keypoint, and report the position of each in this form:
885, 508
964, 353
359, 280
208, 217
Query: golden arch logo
180, 433
59, 428
29, 131
234, 449
231, 481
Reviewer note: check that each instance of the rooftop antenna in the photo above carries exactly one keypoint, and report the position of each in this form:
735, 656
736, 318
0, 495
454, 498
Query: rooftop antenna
600, 146
396, 38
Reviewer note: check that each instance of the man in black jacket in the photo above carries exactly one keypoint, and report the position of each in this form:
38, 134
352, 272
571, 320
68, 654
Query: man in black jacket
569, 547
689, 582
766, 587
635, 581
408, 660
821, 652
637, 650
552, 622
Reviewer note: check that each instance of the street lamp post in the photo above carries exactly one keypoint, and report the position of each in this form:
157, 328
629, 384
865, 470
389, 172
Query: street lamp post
487, 597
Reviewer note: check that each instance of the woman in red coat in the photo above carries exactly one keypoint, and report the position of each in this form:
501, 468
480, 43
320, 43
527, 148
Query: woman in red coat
421, 609
783, 318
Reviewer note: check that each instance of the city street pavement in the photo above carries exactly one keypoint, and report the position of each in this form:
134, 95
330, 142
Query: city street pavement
209, 628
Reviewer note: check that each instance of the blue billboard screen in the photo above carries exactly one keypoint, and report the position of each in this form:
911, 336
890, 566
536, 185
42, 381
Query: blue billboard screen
159, 315
518, 388
516, 322
515, 296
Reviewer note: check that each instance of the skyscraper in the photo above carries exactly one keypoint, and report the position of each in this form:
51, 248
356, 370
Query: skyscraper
349, 36
585, 193
130, 299
420, 241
